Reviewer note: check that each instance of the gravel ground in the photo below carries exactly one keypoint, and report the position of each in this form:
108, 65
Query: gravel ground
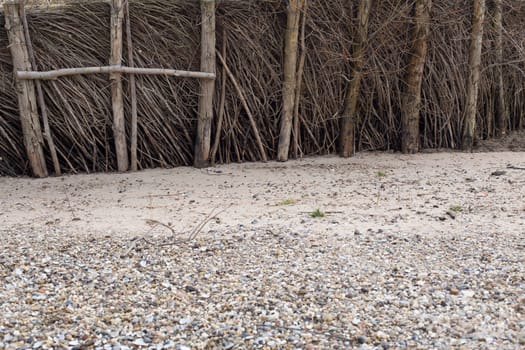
313, 283
271, 289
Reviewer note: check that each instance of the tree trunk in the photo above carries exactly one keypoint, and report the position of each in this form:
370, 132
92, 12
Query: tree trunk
117, 98
290, 69
502, 117
411, 103
27, 100
352, 95
203, 140
476, 41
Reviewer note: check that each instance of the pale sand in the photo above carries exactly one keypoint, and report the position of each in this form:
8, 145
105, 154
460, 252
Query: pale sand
413, 197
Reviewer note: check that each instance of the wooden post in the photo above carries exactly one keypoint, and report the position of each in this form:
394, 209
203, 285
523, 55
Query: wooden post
117, 99
290, 69
502, 116
411, 102
203, 139
133, 92
296, 151
40, 94
27, 100
349, 119
476, 40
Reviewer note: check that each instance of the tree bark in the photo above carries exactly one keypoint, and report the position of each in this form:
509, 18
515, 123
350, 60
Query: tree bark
502, 116
27, 100
208, 59
476, 40
290, 69
349, 118
117, 98
411, 102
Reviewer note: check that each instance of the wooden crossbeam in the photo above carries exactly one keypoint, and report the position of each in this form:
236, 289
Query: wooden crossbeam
54, 74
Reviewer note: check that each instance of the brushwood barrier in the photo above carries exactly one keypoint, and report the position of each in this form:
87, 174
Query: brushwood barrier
250, 37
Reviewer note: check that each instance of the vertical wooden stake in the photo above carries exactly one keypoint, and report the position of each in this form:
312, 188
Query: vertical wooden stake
133, 92
476, 40
203, 139
40, 94
290, 69
411, 102
347, 138
502, 116
296, 151
27, 101
117, 99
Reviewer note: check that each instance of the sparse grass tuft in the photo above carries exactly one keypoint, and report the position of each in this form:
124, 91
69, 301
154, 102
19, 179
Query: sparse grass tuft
381, 173
288, 201
317, 214
456, 208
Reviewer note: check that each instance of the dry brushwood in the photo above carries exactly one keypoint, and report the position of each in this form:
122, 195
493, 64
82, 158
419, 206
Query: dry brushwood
167, 34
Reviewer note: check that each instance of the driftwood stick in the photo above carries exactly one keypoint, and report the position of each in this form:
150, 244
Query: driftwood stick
133, 91
40, 94
222, 103
54, 74
246, 107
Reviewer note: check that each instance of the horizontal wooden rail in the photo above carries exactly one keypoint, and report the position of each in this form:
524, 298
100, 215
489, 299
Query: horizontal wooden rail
54, 74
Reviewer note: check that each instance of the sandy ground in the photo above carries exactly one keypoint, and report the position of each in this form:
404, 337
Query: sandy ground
420, 252
425, 193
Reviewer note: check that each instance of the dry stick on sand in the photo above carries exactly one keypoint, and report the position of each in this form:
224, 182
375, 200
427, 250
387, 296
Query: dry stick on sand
193, 234
264, 158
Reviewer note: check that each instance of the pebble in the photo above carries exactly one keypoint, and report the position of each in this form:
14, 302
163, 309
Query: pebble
382, 335
319, 292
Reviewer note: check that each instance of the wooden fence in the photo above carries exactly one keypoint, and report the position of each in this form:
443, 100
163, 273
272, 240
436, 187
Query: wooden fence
292, 124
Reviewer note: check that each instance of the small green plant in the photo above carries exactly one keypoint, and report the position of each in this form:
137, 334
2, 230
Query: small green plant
317, 214
456, 208
288, 201
381, 173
